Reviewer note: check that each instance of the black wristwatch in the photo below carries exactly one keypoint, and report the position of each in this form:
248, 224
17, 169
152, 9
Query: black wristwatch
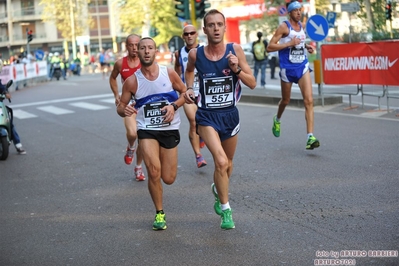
238, 71
175, 106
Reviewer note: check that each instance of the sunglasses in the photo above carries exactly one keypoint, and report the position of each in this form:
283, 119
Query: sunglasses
189, 33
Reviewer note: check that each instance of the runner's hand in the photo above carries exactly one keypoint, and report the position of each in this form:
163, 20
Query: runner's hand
168, 112
130, 110
117, 100
233, 62
189, 96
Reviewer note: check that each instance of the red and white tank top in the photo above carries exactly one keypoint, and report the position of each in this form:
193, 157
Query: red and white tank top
127, 71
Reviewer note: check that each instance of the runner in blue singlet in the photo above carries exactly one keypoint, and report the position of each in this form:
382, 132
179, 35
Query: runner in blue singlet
220, 68
289, 41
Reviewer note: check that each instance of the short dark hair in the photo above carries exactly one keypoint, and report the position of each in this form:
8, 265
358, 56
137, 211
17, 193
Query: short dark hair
213, 12
147, 38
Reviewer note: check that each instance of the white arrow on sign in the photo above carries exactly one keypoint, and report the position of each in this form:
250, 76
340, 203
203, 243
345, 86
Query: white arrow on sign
319, 28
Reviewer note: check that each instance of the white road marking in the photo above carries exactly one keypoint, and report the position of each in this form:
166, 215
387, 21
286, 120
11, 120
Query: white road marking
20, 114
64, 100
108, 100
89, 106
55, 110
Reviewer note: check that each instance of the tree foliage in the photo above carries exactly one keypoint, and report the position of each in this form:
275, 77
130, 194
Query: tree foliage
58, 11
160, 14
377, 11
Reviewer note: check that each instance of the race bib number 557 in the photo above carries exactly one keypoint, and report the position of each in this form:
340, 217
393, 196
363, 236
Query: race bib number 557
219, 92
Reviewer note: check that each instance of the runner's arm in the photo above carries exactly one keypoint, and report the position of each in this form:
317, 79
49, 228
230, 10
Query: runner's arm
129, 89
178, 86
281, 32
189, 75
113, 82
177, 63
245, 75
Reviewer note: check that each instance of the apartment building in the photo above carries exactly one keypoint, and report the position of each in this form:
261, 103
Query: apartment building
18, 16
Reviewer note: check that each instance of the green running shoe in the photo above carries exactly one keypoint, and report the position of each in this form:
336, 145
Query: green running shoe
312, 143
227, 220
276, 127
216, 206
159, 222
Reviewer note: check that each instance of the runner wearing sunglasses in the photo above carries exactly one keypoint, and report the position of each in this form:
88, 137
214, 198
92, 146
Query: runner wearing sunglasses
190, 37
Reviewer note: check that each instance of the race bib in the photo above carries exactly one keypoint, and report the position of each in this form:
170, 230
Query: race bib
297, 55
219, 92
153, 117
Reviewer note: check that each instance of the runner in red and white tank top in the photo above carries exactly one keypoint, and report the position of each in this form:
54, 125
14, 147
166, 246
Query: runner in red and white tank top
126, 67
126, 71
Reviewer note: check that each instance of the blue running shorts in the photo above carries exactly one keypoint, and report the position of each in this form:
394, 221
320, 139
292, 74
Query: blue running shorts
294, 74
226, 123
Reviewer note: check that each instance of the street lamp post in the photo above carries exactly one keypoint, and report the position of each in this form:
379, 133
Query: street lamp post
72, 29
100, 44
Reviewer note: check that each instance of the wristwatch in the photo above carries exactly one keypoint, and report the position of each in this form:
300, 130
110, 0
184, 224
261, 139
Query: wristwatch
238, 71
175, 106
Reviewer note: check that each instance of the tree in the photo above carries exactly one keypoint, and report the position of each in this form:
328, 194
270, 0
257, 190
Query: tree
373, 12
159, 14
58, 11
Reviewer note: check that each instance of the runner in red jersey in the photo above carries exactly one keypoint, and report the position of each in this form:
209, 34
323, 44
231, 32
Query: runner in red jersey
126, 67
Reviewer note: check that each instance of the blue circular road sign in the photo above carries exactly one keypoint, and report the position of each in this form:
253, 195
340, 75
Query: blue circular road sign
317, 28
39, 54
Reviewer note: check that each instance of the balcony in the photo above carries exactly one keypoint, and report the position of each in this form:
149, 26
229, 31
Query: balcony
19, 39
27, 14
3, 17
4, 39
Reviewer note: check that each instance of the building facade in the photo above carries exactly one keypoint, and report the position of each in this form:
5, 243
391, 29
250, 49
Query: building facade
19, 16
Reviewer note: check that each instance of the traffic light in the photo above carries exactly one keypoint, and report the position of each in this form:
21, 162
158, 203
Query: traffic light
200, 6
29, 35
183, 9
388, 10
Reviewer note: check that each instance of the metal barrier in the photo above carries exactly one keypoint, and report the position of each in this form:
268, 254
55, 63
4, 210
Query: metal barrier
392, 94
373, 93
364, 90
334, 90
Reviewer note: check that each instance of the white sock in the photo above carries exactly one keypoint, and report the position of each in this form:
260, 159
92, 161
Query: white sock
310, 134
225, 206
138, 166
131, 147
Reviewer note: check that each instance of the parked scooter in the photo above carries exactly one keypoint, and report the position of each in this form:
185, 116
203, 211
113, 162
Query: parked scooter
5, 124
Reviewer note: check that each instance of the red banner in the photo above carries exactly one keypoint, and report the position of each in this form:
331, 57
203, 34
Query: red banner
375, 63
